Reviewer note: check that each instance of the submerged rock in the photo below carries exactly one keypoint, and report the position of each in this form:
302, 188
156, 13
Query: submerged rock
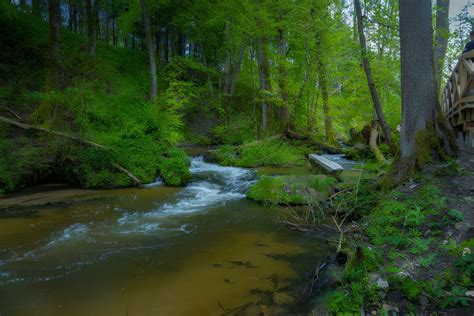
282, 298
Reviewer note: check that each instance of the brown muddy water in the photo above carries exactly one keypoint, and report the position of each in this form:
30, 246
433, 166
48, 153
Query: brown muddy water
199, 250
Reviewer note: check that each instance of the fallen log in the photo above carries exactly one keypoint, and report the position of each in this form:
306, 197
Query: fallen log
71, 137
50, 131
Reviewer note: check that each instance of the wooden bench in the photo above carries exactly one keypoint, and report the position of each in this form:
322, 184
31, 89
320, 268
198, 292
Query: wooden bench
325, 165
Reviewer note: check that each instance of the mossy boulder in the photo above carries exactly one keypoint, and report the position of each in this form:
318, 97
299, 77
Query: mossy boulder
295, 190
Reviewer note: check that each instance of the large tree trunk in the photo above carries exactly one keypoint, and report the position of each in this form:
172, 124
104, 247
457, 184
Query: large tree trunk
441, 39
424, 134
370, 79
151, 52
283, 80
264, 79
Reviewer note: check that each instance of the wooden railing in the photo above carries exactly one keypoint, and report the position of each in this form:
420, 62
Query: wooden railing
458, 100
458, 93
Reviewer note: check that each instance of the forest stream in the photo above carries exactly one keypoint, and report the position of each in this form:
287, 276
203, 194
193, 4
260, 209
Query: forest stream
199, 250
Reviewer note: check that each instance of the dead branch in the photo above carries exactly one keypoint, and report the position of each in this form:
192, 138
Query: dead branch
14, 114
50, 131
71, 137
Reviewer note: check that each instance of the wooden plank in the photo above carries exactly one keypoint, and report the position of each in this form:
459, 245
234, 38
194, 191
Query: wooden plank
325, 163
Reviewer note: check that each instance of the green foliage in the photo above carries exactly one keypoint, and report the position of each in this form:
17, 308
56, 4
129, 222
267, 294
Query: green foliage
456, 215
174, 169
261, 153
347, 301
450, 168
291, 189
103, 102
239, 129
269, 153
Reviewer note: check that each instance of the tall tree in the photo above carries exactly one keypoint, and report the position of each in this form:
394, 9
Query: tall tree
92, 16
54, 22
283, 79
36, 7
424, 134
264, 79
441, 38
322, 13
370, 80
151, 51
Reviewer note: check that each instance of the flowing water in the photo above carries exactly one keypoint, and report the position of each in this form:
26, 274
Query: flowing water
199, 250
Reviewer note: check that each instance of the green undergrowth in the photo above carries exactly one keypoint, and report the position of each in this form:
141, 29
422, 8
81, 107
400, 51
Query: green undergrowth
291, 189
101, 100
262, 153
406, 244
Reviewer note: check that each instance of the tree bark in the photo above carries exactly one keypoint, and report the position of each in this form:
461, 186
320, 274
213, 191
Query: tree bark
370, 80
424, 134
151, 52
441, 39
283, 80
374, 135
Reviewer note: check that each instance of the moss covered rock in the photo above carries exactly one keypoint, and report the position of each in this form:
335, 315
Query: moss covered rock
296, 190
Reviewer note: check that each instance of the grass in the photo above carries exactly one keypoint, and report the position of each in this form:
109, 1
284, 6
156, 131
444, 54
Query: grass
294, 190
269, 152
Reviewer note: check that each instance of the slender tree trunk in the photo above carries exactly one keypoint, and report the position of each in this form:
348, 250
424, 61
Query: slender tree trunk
441, 39
151, 52
106, 28
114, 32
52, 82
158, 41
321, 70
370, 79
54, 14
236, 71
92, 16
74, 16
70, 15
283, 80
264, 78
423, 134
36, 7
166, 50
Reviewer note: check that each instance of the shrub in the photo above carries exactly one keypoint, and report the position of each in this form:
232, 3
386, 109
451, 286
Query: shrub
174, 169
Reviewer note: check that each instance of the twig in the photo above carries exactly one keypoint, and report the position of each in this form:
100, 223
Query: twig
14, 114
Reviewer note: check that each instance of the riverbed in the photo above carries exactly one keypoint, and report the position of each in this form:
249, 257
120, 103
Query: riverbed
199, 250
